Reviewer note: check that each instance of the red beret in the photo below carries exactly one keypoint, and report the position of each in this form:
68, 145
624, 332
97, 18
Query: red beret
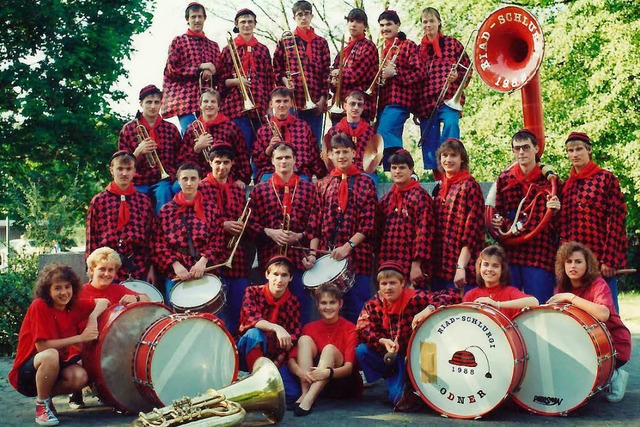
391, 265
280, 258
148, 90
121, 153
580, 136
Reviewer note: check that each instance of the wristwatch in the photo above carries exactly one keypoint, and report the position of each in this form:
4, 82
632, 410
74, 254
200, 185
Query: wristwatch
353, 245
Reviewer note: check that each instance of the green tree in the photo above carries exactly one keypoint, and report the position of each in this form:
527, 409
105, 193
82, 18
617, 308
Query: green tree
59, 64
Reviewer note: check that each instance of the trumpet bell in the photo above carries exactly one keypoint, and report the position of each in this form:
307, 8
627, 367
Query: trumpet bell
373, 153
310, 105
336, 109
248, 106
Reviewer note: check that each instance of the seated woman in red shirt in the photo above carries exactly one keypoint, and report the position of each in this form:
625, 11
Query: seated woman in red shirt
494, 284
580, 284
325, 354
46, 362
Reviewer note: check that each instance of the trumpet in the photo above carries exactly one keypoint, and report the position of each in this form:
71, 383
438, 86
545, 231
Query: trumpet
389, 58
275, 130
152, 158
336, 107
198, 131
288, 36
245, 92
286, 227
234, 242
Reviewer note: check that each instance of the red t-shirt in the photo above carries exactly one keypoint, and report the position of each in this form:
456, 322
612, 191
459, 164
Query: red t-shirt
599, 293
113, 292
341, 334
498, 293
47, 323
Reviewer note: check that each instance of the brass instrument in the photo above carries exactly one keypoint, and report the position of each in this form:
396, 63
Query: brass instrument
199, 130
288, 36
286, 227
384, 62
152, 158
373, 153
336, 106
245, 92
454, 103
275, 130
234, 242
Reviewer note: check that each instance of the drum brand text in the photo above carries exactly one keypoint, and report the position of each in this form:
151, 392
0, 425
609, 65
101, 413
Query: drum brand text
473, 398
473, 321
548, 400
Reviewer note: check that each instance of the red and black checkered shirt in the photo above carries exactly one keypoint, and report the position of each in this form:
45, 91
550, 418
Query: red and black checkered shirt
133, 242
255, 308
316, 68
172, 242
370, 327
168, 142
402, 88
539, 251
181, 88
406, 235
261, 76
359, 217
594, 213
360, 67
229, 132
436, 71
266, 212
459, 223
360, 142
298, 133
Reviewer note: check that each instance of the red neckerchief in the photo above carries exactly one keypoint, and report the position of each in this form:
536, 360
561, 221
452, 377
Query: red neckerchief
397, 307
586, 172
226, 187
343, 190
220, 118
123, 210
287, 187
522, 179
153, 134
448, 182
247, 58
308, 36
273, 316
283, 125
435, 44
349, 47
200, 35
355, 133
196, 203
397, 195
387, 46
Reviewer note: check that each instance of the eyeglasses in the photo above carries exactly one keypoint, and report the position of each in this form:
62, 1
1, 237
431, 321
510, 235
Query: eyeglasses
301, 15
524, 148
355, 104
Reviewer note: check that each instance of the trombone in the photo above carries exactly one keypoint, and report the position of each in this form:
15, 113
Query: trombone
288, 36
245, 92
286, 227
152, 158
388, 59
234, 242
198, 131
336, 106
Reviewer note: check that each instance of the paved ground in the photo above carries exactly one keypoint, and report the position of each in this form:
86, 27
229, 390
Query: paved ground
372, 410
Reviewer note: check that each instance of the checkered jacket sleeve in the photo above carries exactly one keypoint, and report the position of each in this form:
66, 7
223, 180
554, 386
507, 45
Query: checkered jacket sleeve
539, 251
369, 326
360, 143
459, 223
436, 71
594, 214
134, 241
182, 72
261, 160
316, 69
169, 143
402, 88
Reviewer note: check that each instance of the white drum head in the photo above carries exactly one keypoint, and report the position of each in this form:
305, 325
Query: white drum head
194, 355
143, 287
326, 269
197, 292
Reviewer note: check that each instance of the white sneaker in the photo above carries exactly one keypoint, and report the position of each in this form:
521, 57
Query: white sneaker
618, 385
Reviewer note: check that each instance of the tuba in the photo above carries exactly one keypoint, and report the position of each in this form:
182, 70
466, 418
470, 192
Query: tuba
289, 43
507, 54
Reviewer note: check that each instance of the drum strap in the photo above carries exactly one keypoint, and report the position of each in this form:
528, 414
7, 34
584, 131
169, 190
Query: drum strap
125, 260
192, 249
351, 182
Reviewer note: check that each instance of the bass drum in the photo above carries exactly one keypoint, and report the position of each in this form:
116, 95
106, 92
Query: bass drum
203, 294
142, 287
465, 359
183, 355
108, 360
571, 358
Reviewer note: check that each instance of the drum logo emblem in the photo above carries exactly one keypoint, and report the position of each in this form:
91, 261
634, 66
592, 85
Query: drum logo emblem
548, 400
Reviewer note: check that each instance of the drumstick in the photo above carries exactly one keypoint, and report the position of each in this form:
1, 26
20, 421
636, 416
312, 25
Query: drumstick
625, 271
319, 251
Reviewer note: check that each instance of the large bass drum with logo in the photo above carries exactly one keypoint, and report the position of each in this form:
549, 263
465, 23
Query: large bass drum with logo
465, 359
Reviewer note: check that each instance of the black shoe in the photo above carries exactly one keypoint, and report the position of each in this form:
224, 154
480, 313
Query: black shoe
299, 412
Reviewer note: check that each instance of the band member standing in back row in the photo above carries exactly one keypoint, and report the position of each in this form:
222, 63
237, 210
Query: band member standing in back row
122, 218
360, 62
164, 138
216, 127
531, 262
255, 64
315, 59
397, 85
193, 58
439, 54
593, 210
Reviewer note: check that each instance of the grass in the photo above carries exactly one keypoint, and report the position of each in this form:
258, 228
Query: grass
630, 309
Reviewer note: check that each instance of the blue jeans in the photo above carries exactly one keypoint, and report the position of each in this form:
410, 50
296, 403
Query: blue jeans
391, 127
534, 281
356, 297
434, 137
374, 368
249, 128
307, 302
314, 121
161, 192
234, 291
252, 338
613, 287
185, 120
168, 285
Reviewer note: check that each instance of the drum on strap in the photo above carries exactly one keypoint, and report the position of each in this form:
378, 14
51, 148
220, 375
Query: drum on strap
465, 359
203, 294
328, 270
108, 360
183, 355
571, 357
142, 287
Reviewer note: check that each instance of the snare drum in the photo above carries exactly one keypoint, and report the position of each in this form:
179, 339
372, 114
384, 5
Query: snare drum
143, 287
465, 359
328, 270
108, 360
203, 294
183, 355
571, 358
